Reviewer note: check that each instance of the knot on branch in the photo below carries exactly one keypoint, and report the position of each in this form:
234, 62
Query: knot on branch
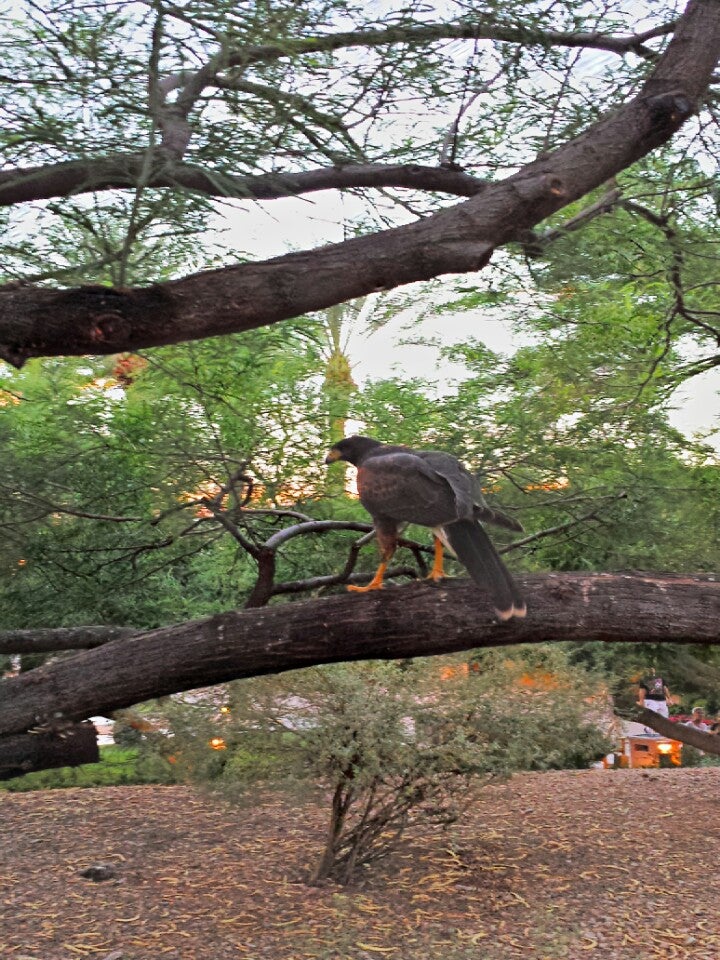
540, 194
669, 110
109, 326
107, 314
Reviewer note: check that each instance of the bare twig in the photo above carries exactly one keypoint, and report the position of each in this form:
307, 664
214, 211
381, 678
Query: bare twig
554, 531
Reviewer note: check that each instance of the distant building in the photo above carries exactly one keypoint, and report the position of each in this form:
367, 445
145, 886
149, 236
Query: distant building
104, 728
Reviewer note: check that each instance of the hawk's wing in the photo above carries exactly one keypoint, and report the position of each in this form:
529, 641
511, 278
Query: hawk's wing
465, 488
467, 491
405, 487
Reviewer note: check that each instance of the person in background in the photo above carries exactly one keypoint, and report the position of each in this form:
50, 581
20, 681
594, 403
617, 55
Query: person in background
697, 722
653, 694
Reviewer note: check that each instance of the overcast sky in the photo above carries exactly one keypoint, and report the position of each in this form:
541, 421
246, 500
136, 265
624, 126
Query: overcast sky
271, 229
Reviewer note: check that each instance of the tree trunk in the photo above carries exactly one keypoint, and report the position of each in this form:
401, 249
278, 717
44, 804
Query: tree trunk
341, 801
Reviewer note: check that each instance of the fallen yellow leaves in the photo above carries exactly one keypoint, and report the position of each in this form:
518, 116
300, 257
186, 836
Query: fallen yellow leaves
542, 887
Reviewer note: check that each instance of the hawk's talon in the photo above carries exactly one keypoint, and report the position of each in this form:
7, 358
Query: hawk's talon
371, 586
436, 576
375, 584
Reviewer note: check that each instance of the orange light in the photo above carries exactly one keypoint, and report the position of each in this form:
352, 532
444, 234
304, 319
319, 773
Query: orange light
665, 747
539, 681
217, 743
224, 709
451, 672
559, 484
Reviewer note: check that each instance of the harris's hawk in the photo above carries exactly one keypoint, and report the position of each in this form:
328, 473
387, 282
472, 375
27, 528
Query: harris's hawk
398, 485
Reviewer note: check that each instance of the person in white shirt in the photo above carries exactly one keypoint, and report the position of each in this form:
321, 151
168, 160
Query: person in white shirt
698, 720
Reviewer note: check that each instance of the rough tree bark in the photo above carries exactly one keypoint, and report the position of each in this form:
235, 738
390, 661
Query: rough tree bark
417, 619
50, 640
70, 746
43, 322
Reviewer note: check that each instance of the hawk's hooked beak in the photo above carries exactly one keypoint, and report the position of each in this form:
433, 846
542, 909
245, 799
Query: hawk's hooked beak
332, 456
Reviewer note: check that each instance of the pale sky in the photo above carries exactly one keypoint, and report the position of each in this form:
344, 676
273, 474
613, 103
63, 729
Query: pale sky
271, 229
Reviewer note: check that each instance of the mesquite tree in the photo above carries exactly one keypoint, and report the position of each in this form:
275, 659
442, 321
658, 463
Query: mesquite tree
167, 108
473, 134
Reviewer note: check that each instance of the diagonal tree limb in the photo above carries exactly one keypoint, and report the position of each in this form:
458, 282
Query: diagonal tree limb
708, 742
40, 322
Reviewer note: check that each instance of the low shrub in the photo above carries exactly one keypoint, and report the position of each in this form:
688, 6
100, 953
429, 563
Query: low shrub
118, 766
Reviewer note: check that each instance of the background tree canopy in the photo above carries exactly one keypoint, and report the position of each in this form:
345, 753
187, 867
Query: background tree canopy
167, 396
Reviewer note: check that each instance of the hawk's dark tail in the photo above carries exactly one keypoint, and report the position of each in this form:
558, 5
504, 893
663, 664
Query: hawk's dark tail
474, 549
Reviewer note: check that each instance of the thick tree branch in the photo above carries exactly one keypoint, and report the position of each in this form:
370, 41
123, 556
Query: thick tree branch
41, 322
414, 620
120, 172
43, 750
52, 639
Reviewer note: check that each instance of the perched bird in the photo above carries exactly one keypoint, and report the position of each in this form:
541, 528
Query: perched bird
398, 485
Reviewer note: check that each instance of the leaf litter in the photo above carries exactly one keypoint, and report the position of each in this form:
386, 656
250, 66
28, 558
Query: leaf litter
612, 865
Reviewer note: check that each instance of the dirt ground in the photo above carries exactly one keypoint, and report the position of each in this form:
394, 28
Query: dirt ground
609, 865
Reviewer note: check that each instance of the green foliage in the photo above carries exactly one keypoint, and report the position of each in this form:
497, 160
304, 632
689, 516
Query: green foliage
101, 484
690, 757
118, 766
